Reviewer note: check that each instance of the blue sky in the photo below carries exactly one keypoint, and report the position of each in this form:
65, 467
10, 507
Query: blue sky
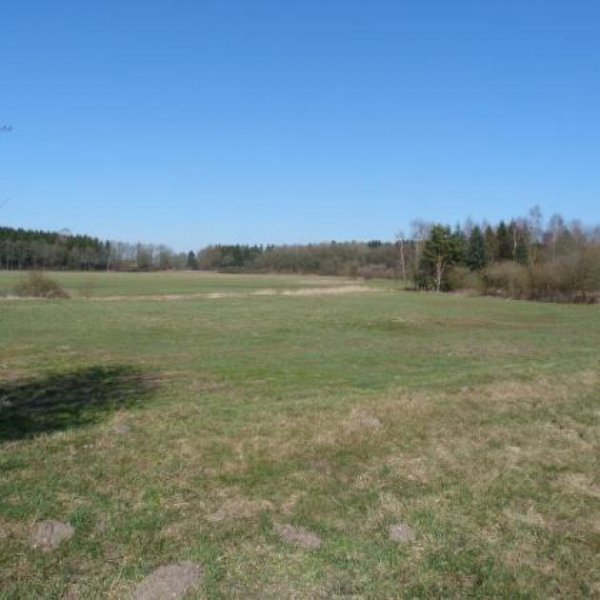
192, 122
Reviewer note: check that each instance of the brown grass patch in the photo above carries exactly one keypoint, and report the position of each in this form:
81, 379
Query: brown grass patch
288, 506
239, 508
525, 514
581, 483
298, 292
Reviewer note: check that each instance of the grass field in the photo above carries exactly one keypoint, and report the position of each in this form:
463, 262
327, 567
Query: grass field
103, 285
188, 417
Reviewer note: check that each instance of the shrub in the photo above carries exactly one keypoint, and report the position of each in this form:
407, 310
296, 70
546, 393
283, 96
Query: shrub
37, 285
573, 277
507, 279
461, 278
372, 271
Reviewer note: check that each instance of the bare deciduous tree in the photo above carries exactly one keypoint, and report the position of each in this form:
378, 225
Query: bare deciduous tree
401, 261
419, 232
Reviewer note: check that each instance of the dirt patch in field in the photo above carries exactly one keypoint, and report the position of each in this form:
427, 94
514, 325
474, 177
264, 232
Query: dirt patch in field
401, 533
48, 535
169, 581
239, 508
299, 536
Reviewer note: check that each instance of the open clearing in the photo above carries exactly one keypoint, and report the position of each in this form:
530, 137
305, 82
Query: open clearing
287, 444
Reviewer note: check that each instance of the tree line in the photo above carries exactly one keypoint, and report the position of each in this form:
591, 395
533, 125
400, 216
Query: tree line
524, 257
32, 249
521, 259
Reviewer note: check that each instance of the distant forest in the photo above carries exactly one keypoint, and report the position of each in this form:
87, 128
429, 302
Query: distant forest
523, 258
30, 249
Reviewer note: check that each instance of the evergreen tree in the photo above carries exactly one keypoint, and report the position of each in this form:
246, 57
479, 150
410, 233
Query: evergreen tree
441, 250
460, 243
475, 257
191, 261
491, 245
505, 244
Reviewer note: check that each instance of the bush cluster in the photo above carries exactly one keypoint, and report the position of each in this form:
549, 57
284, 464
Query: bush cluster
571, 278
37, 285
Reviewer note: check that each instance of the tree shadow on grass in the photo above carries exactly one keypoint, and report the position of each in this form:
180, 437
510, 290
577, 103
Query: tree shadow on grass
67, 400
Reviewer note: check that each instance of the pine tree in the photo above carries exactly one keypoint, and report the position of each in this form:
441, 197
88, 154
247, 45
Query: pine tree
191, 261
441, 250
475, 258
491, 245
505, 247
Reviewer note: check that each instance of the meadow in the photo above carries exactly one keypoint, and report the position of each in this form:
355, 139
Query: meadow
280, 431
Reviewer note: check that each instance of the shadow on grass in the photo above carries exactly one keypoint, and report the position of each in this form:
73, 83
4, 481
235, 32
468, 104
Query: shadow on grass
66, 400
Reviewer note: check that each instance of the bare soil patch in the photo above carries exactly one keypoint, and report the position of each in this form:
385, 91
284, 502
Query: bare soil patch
169, 581
299, 536
48, 535
401, 533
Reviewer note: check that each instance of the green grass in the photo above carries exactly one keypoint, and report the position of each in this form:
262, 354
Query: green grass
92, 284
476, 421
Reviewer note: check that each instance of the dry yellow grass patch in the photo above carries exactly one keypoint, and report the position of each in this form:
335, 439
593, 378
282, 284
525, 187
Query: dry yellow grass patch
239, 508
579, 483
319, 290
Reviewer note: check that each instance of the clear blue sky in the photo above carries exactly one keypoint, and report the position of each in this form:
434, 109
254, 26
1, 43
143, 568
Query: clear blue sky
191, 122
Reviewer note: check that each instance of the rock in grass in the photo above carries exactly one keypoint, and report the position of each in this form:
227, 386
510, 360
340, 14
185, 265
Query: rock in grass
169, 581
401, 533
299, 536
48, 535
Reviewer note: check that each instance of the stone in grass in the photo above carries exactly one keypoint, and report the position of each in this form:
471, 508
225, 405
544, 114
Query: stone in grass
48, 535
401, 533
169, 581
299, 536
